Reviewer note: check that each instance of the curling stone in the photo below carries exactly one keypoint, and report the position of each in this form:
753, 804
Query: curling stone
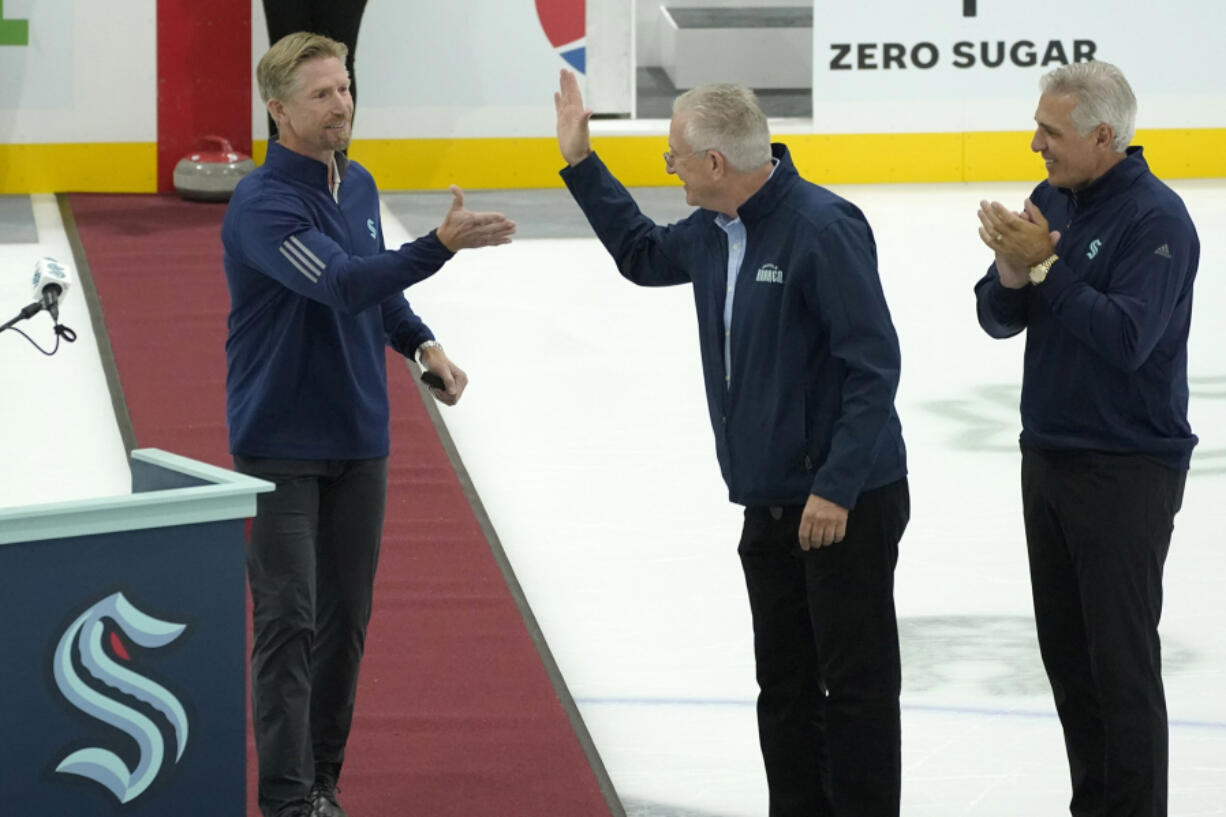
210, 172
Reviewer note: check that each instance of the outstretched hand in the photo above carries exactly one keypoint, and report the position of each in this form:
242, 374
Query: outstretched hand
573, 138
464, 229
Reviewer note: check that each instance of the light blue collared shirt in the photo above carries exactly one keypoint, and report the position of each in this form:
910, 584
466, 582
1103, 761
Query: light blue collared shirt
735, 230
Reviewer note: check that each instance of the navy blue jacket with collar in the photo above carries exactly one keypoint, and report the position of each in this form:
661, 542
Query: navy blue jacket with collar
809, 407
1107, 331
315, 298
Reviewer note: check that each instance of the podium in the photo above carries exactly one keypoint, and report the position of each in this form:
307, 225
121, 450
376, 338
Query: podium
122, 647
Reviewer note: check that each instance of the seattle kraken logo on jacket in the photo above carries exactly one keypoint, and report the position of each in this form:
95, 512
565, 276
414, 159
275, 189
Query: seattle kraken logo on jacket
107, 693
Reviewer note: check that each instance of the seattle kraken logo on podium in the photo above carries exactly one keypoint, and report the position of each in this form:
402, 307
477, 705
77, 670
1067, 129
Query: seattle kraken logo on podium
91, 644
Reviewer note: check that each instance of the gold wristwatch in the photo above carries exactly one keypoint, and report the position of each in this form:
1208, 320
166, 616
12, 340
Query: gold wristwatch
1039, 271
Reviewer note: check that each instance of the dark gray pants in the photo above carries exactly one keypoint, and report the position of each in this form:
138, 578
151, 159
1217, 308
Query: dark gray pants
826, 650
1098, 527
311, 566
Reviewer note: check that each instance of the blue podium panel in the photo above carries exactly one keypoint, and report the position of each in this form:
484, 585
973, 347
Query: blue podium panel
123, 680
122, 648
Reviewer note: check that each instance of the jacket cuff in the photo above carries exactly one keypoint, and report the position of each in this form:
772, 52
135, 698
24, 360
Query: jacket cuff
1059, 279
840, 496
431, 238
1004, 297
590, 166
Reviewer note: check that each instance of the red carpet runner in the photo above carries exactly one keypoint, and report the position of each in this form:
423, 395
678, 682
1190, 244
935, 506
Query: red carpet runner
456, 713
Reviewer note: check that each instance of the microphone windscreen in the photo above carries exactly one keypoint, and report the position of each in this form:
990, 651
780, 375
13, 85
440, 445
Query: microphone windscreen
51, 273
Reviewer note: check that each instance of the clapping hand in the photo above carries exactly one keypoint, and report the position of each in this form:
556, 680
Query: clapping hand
1020, 240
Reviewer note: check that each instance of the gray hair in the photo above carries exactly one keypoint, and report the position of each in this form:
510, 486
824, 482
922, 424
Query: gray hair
275, 75
726, 118
1102, 96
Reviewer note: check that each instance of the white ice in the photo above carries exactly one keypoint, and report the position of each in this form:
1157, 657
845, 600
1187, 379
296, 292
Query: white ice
586, 435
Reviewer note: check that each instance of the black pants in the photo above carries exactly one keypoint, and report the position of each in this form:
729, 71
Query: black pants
826, 647
1098, 527
311, 566
338, 19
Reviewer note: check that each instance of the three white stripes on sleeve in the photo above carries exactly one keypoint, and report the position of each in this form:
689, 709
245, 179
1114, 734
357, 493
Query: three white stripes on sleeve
302, 258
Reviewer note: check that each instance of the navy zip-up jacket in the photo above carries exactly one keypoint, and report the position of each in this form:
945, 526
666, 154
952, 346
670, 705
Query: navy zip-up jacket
314, 299
809, 406
1107, 332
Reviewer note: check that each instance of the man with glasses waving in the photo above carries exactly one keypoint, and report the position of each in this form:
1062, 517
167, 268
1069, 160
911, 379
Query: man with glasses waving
801, 364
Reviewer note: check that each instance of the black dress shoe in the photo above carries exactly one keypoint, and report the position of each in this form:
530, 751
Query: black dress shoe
323, 800
300, 809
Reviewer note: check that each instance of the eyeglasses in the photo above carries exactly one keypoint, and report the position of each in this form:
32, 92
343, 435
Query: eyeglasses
671, 158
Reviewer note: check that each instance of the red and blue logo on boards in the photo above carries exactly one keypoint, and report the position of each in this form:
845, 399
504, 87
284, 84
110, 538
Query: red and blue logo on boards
565, 24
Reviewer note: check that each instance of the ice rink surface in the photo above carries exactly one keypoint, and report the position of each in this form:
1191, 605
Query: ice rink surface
585, 433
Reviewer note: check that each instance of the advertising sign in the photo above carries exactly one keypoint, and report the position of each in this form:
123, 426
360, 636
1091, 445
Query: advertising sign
890, 66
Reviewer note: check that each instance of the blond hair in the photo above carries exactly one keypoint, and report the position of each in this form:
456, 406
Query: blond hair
275, 74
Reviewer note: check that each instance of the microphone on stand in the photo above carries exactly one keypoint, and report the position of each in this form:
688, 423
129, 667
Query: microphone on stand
51, 282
